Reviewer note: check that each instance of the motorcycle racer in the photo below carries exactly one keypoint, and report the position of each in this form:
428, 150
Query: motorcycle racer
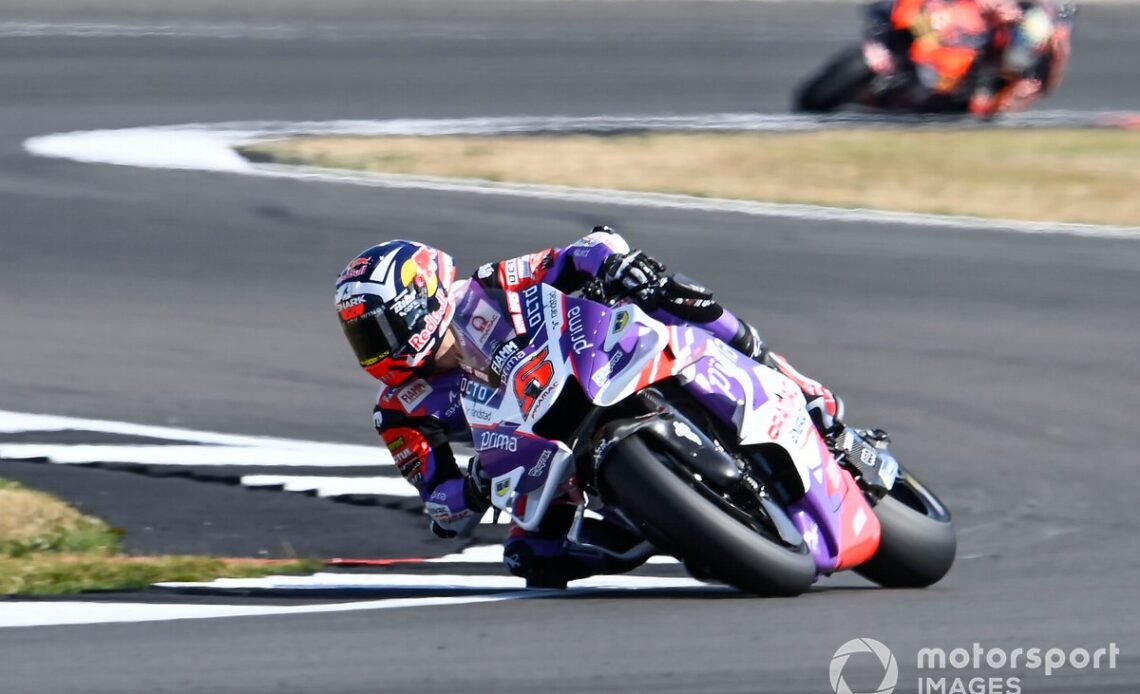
1003, 54
407, 319
1026, 62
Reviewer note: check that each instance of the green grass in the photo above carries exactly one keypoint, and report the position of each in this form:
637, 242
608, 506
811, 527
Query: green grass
48, 547
52, 574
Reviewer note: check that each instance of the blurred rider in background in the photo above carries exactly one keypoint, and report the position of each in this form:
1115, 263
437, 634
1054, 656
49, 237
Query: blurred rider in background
397, 303
1005, 54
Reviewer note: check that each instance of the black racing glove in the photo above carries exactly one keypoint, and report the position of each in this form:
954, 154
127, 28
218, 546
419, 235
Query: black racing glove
631, 274
476, 487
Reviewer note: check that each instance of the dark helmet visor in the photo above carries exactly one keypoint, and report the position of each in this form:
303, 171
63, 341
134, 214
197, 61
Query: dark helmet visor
384, 332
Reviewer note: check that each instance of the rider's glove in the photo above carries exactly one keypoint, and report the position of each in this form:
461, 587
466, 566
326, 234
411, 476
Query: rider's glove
476, 487
632, 273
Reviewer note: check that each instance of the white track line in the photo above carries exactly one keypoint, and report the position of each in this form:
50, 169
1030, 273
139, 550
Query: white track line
334, 486
493, 554
211, 147
40, 613
212, 449
17, 422
433, 582
269, 456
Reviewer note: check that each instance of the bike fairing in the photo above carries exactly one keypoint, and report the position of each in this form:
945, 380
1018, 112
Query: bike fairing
758, 403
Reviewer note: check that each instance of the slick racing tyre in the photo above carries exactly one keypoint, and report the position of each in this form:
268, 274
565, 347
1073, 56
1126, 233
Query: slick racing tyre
918, 540
837, 84
674, 511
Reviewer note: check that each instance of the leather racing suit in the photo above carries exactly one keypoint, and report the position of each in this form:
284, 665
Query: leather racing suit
419, 419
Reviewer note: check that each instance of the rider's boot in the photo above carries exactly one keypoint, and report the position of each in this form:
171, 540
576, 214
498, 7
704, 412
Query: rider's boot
826, 408
546, 560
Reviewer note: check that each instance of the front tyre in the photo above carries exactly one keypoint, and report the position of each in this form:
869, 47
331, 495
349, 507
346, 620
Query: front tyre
678, 516
838, 83
918, 540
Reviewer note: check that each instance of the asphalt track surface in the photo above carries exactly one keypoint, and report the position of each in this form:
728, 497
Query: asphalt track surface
1004, 365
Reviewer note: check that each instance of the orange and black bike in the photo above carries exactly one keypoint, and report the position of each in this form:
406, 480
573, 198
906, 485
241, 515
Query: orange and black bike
945, 56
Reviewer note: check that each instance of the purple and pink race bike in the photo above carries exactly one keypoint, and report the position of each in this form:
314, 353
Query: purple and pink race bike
706, 454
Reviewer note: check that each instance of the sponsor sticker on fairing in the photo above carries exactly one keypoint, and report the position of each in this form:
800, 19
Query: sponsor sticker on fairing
608, 369
620, 320
540, 464
554, 312
505, 358
479, 415
476, 392
491, 440
579, 341
482, 322
511, 273
532, 307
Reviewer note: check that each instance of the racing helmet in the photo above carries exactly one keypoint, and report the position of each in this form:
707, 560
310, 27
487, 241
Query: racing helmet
1028, 41
393, 305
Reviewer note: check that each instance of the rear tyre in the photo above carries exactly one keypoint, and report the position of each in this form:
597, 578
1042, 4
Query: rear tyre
837, 84
918, 540
678, 517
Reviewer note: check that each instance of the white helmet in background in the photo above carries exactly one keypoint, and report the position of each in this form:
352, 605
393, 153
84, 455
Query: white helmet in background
1029, 40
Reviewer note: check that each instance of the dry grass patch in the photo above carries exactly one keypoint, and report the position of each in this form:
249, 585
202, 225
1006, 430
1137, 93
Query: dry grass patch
1048, 175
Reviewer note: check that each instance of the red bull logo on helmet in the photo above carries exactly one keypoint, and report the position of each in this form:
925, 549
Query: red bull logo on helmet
421, 267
